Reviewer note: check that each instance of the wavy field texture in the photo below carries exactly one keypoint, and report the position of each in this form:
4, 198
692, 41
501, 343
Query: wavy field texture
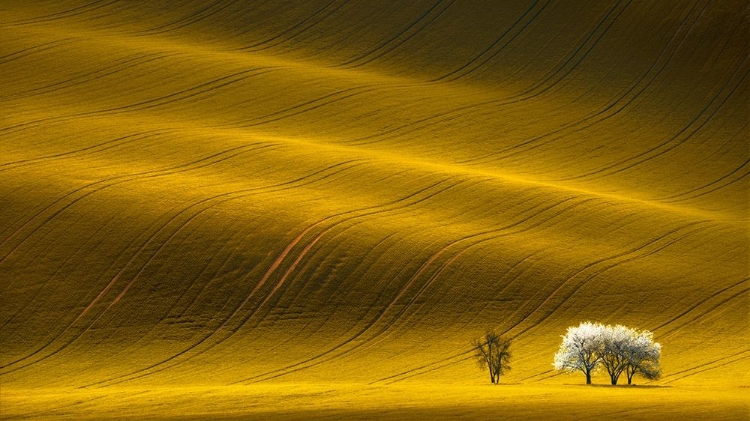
257, 193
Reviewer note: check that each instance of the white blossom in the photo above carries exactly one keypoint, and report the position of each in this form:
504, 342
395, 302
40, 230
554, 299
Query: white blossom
619, 349
580, 349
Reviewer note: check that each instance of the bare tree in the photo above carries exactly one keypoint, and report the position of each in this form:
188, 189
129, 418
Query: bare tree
493, 353
580, 349
642, 357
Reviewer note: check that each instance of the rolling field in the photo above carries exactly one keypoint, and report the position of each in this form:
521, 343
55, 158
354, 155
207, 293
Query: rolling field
309, 209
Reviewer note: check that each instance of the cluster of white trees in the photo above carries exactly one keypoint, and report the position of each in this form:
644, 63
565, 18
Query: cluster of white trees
619, 349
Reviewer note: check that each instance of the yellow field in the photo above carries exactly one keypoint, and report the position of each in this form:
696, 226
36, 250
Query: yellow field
295, 401
315, 206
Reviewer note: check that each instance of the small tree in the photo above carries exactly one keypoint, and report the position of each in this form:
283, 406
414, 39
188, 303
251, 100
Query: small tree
642, 357
493, 353
616, 341
580, 349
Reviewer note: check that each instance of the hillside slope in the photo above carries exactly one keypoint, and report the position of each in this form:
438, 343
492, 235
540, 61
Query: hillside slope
242, 192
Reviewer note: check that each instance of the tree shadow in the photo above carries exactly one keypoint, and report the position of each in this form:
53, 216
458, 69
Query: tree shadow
623, 386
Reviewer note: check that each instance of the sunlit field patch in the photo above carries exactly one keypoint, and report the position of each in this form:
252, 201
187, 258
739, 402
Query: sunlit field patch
298, 401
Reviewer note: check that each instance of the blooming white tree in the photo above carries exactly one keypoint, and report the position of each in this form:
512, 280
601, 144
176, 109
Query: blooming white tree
580, 349
616, 341
642, 357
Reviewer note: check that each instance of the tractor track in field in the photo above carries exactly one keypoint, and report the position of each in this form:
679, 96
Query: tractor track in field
271, 271
612, 108
88, 150
297, 29
388, 45
667, 145
488, 54
707, 366
115, 279
111, 69
76, 11
16, 55
203, 89
100, 185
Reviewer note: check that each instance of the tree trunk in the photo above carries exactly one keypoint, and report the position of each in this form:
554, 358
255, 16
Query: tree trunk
588, 377
614, 380
630, 380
